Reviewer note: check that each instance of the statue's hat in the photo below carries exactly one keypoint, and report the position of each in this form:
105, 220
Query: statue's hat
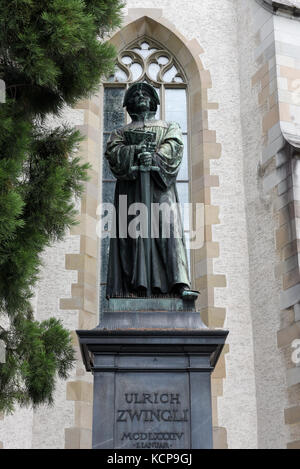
141, 85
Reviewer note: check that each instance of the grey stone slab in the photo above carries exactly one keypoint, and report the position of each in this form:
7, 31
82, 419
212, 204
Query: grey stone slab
281, 158
159, 362
274, 178
151, 320
103, 409
297, 308
152, 379
201, 415
288, 265
152, 411
147, 395
293, 376
150, 304
283, 187
274, 147
290, 297
274, 133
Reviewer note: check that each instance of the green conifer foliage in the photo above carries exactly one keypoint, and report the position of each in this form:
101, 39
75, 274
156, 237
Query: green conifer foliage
52, 54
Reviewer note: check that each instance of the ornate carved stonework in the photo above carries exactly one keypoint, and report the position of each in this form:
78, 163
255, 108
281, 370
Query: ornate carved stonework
146, 60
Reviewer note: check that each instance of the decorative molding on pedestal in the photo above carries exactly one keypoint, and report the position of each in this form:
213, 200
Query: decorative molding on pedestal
152, 383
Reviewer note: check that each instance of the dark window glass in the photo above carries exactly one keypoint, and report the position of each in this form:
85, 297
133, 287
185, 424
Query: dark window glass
113, 111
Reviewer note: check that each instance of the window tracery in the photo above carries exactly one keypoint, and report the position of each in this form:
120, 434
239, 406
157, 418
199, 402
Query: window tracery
147, 61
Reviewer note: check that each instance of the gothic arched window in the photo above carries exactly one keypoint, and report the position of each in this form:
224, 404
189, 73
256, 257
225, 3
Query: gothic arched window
145, 60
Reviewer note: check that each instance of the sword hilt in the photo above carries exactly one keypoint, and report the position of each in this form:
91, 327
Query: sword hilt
145, 169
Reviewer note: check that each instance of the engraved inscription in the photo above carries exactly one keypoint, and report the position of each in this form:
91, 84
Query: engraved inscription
144, 415
152, 420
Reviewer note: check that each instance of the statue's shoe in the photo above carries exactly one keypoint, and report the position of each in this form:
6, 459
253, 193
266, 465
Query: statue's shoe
190, 295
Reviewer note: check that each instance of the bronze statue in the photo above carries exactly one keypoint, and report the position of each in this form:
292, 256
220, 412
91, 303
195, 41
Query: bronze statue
145, 157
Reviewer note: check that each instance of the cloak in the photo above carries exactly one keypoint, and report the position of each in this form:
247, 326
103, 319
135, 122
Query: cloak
127, 273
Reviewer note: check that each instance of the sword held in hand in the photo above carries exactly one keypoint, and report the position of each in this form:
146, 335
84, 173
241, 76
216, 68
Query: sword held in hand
144, 139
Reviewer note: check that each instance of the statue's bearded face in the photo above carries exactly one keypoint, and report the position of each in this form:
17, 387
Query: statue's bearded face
140, 101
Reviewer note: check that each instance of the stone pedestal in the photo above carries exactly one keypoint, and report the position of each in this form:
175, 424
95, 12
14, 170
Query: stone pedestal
152, 374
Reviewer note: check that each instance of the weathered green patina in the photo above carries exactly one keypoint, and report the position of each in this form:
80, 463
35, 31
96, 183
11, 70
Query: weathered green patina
145, 158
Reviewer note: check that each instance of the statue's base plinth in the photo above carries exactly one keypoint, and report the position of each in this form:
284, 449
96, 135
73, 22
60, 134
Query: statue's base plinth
152, 379
150, 304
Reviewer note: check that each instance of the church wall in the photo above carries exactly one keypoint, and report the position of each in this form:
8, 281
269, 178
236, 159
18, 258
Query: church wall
287, 42
214, 27
239, 386
44, 427
16, 430
275, 275
55, 282
84, 296
261, 138
245, 237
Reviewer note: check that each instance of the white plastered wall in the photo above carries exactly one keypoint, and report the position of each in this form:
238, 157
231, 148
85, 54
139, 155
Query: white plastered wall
44, 427
249, 408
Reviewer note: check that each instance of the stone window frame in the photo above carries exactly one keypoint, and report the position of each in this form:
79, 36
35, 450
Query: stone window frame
142, 23
179, 81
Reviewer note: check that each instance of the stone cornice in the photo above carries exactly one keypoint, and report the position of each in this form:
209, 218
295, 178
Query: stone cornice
285, 7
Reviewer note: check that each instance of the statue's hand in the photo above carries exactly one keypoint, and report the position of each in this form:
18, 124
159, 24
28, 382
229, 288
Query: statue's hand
151, 147
145, 159
145, 147
142, 148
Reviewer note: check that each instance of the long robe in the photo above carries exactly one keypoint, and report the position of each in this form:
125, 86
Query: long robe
127, 272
